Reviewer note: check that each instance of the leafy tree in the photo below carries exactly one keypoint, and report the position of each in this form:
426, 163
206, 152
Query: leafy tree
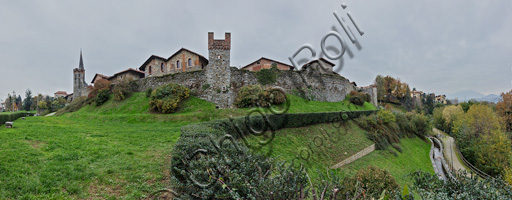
504, 109
19, 102
494, 153
450, 115
27, 102
428, 104
8, 102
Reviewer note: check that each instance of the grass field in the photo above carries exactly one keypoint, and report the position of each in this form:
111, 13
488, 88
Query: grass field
116, 151
318, 147
415, 156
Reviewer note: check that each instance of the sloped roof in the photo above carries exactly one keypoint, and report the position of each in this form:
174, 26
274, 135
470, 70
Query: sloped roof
126, 71
143, 66
263, 58
99, 75
61, 92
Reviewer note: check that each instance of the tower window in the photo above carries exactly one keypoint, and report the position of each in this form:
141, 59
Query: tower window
178, 64
219, 57
162, 67
189, 62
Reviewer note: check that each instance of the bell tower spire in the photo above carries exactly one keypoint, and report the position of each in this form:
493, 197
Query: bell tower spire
81, 64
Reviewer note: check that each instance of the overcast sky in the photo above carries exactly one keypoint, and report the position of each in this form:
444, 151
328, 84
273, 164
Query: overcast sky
435, 46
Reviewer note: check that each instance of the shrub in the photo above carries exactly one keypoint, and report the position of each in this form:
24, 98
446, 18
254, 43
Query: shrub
421, 124
429, 186
254, 95
148, 92
248, 96
122, 89
372, 180
268, 76
386, 128
102, 97
99, 85
386, 116
9, 117
359, 98
167, 98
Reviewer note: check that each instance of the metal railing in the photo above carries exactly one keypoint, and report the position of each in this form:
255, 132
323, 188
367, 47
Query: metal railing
477, 171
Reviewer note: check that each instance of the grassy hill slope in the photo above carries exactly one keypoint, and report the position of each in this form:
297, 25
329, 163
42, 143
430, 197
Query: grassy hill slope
117, 150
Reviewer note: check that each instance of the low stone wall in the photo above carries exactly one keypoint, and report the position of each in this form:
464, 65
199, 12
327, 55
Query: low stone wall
354, 157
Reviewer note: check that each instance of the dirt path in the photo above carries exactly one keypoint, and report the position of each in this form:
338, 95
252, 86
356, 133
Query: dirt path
449, 148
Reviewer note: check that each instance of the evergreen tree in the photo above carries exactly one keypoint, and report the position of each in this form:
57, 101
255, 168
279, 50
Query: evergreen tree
27, 102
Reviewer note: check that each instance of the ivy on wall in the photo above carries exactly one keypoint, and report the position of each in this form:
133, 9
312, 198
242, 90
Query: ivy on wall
268, 76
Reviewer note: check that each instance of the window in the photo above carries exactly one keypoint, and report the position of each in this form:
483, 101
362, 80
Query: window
258, 62
149, 69
189, 62
219, 57
178, 64
162, 67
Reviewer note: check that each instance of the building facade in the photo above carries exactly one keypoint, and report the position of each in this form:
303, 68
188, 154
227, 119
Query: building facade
129, 74
266, 63
59, 94
181, 61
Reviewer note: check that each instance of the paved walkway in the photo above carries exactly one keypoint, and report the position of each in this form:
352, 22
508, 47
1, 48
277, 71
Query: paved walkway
449, 151
51, 114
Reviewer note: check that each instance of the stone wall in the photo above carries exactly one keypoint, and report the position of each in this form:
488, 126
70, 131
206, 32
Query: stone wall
372, 91
354, 157
320, 87
194, 80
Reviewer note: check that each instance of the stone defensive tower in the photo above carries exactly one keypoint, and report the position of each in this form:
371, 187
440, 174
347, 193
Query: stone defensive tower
218, 73
80, 87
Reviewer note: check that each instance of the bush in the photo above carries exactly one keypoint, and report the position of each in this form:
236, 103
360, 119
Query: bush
421, 124
102, 97
386, 116
267, 76
429, 186
148, 92
9, 117
233, 170
386, 128
372, 180
167, 98
122, 89
99, 85
254, 95
359, 98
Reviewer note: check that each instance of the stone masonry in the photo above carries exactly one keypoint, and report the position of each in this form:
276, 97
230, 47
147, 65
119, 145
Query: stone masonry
219, 83
218, 73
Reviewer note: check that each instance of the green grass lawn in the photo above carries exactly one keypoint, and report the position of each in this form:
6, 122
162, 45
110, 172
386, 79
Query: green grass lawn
119, 150
318, 146
415, 156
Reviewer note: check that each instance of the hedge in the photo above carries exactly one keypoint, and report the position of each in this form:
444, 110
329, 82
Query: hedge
205, 148
13, 116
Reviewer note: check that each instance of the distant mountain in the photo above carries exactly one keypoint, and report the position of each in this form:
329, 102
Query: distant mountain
465, 95
490, 98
